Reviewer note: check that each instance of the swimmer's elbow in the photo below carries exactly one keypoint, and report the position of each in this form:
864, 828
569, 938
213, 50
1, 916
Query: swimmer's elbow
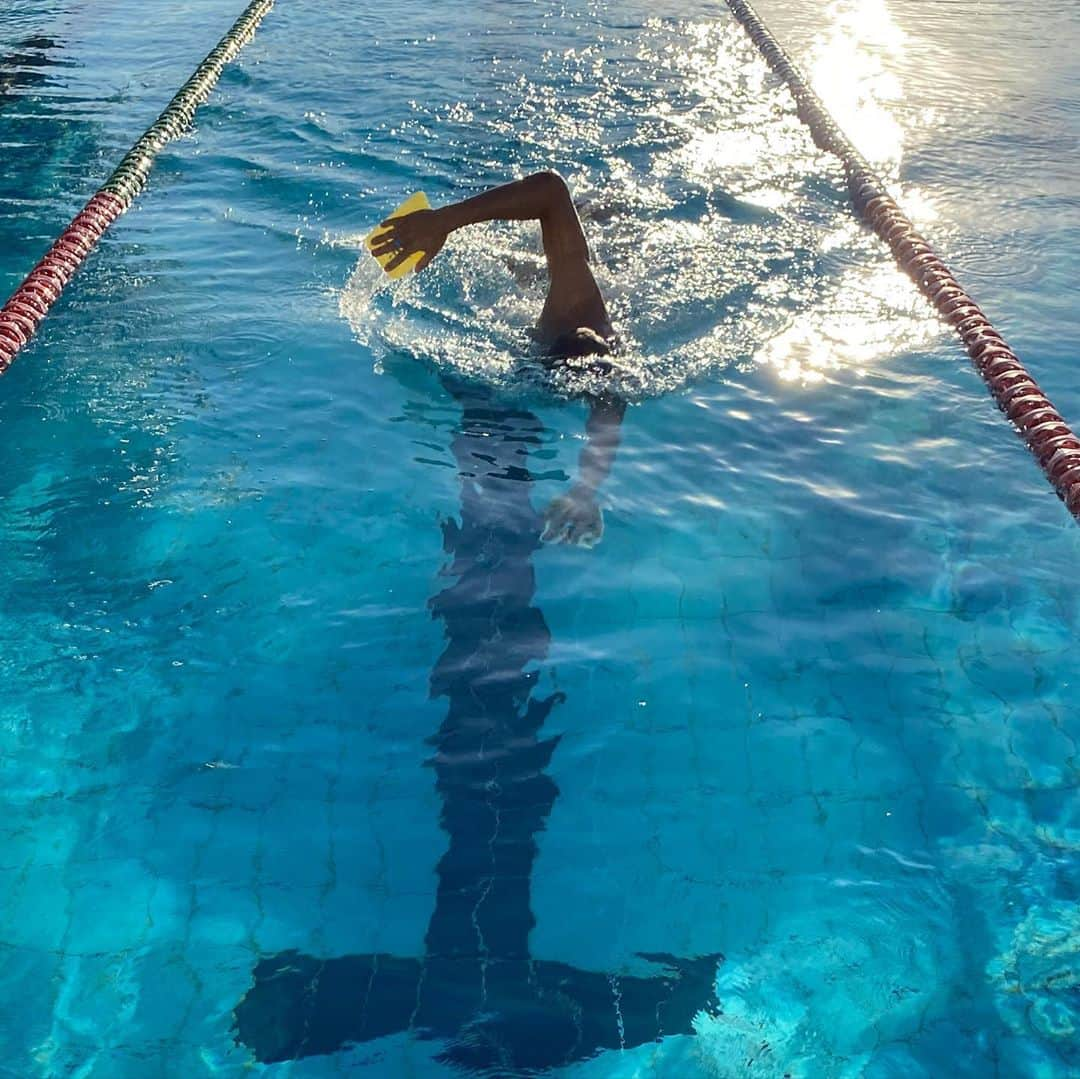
550, 186
550, 181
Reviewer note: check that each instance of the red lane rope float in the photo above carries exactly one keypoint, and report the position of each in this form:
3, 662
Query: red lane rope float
1048, 436
30, 302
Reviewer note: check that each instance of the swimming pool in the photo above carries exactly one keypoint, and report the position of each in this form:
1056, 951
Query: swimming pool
814, 692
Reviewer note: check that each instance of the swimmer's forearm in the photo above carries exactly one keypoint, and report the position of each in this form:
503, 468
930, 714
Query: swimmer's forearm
524, 200
603, 432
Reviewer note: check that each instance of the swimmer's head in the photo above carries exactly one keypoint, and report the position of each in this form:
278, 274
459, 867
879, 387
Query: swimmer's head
580, 342
582, 349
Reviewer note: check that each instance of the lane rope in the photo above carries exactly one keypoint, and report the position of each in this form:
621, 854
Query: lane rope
30, 302
1017, 394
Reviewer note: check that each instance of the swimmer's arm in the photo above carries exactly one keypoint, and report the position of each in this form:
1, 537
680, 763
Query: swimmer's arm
542, 197
603, 432
575, 517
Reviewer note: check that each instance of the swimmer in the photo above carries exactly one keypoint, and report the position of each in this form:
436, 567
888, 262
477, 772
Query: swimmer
573, 332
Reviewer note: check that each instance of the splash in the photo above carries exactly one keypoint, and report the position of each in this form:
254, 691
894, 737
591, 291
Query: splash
720, 234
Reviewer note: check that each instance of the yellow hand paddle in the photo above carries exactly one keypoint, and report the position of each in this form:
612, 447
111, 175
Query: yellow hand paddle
409, 206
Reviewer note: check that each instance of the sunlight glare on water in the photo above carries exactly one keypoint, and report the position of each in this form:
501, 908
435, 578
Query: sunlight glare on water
847, 72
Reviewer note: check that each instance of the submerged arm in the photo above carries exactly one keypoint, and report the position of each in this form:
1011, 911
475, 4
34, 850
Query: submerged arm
603, 430
575, 517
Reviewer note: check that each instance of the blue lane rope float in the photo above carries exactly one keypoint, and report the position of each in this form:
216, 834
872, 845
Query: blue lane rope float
30, 303
1047, 435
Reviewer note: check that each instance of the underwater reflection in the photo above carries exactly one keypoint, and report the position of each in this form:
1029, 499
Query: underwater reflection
477, 988
24, 66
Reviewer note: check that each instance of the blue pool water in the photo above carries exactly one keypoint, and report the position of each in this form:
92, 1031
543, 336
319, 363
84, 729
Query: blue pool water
271, 561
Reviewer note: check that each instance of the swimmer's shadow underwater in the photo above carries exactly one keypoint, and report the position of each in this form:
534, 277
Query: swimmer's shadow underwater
477, 988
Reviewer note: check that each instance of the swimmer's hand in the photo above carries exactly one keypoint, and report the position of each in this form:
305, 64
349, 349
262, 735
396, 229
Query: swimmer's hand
424, 230
574, 518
